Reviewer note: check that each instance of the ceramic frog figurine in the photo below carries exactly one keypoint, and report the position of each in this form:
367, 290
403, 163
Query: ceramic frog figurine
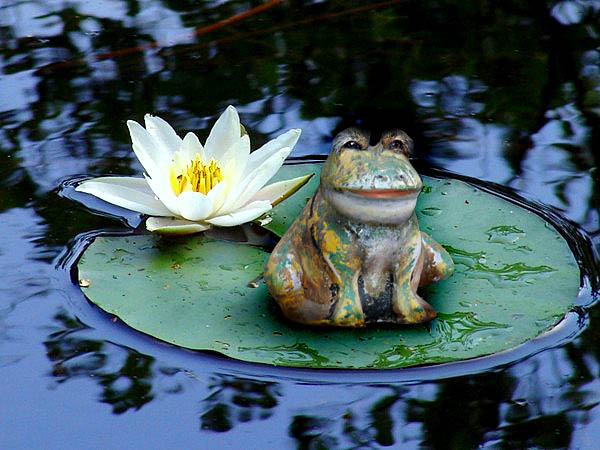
355, 254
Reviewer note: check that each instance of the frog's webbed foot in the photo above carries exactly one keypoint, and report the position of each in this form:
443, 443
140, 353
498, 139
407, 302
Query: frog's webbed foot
410, 308
437, 263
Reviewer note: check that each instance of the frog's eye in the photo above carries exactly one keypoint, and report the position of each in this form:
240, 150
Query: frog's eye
353, 145
397, 144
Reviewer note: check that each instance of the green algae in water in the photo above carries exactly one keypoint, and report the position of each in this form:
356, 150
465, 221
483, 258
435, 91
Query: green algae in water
196, 292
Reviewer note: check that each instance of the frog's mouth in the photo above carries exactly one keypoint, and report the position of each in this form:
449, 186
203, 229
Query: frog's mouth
378, 206
385, 193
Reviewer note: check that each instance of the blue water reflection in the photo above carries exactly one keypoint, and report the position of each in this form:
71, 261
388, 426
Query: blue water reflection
508, 93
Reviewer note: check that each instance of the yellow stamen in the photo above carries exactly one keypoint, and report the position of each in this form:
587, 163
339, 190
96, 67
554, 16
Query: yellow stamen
196, 177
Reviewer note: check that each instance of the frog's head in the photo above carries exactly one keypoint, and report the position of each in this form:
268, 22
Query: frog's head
371, 183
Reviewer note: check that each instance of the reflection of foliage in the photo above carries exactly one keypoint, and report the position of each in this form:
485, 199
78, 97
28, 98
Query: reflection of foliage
382, 419
129, 386
137, 390
405, 63
470, 408
317, 431
376, 426
514, 65
338, 63
549, 431
465, 412
427, 65
65, 351
310, 433
236, 400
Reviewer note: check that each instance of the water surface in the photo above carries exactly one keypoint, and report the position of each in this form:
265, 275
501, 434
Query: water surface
506, 92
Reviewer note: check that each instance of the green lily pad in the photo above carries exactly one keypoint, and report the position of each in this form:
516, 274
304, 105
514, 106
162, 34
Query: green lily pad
515, 278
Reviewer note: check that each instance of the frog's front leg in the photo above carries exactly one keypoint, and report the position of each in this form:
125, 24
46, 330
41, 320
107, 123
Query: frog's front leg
343, 264
409, 307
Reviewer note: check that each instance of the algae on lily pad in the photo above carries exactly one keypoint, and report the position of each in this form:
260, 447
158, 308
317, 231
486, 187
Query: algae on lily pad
515, 278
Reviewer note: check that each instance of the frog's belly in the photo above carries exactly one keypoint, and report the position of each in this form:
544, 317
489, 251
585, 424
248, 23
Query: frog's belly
387, 251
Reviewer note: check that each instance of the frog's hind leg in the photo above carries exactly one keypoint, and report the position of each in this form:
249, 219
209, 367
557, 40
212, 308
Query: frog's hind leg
409, 307
437, 263
295, 292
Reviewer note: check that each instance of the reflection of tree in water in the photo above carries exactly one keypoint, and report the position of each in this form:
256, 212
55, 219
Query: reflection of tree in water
237, 400
463, 411
516, 65
125, 385
553, 400
378, 423
513, 68
470, 411
534, 409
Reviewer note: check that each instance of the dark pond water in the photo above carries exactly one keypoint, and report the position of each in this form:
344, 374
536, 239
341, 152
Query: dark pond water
506, 92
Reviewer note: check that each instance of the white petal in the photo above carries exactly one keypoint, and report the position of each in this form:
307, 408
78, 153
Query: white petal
167, 225
164, 135
277, 192
217, 195
192, 146
161, 187
194, 205
146, 149
255, 180
235, 159
260, 155
243, 215
130, 193
225, 132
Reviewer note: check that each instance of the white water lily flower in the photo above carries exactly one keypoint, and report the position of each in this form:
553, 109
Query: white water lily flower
188, 187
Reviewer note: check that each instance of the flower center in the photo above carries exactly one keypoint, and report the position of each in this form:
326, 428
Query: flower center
196, 176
